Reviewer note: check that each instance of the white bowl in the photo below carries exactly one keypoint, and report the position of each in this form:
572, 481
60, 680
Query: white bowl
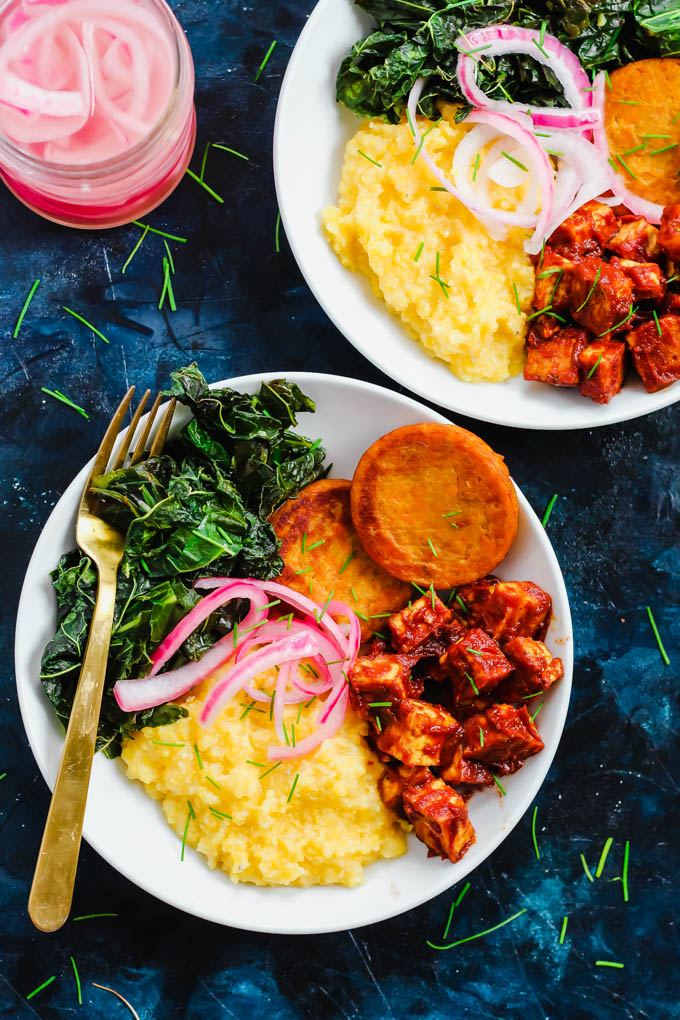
310, 135
128, 829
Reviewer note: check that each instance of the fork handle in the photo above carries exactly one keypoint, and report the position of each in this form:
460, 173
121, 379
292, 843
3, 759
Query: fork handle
51, 893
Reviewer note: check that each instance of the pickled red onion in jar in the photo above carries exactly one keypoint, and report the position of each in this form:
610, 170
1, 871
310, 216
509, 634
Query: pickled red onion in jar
82, 81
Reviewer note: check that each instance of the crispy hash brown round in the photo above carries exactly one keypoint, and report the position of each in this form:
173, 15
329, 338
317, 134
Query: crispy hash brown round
323, 556
643, 128
434, 503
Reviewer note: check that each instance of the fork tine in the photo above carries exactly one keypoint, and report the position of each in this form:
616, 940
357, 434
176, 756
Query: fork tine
104, 451
162, 434
141, 444
122, 453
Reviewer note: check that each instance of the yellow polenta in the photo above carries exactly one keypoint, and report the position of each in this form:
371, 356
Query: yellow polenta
383, 216
333, 824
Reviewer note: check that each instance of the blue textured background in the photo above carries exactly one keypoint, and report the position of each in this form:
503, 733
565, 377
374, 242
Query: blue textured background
243, 308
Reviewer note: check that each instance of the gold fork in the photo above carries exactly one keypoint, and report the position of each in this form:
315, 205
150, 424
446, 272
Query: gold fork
51, 893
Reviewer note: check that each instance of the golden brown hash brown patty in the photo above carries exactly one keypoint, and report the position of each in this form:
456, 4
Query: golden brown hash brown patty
317, 540
434, 503
641, 113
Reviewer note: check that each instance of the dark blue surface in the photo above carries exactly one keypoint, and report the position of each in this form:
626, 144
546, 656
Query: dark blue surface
243, 308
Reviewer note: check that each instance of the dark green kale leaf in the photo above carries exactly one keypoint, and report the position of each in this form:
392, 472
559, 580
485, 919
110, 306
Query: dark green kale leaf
199, 510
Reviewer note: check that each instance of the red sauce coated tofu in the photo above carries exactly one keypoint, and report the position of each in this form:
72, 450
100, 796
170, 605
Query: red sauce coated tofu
465, 770
381, 678
669, 232
502, 737
394, 781
535, 669
440, 818
555, 361
418, 733
546, 326
417, 622
635, 239
586, 231
601, 296
649, 282
552, 281
602, 367
475, 664
657, 357
506, 609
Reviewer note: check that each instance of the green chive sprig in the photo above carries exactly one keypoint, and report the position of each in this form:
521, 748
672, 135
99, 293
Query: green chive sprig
77, 977
24, 309
546, 515
62, 398
195, 177
85, 323
603, 857
533, 833
265, 60
659, 642
454, 904
564, 929
479, 935
40, 987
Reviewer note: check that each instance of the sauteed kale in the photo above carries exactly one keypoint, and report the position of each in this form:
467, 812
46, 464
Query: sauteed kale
417, 37
198, 510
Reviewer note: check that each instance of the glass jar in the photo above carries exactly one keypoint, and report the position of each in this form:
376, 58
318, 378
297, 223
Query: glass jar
128, 185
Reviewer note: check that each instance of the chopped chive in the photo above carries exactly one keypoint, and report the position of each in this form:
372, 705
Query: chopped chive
362, 616
592, 371
85, 323
167, 285
3, 776
659, 642
25, 308
628, 102
205, 160
481, 933
672, 279
612, 164
410, 122
631, 313
542, 35
608, 963
544, 522
270, 770
198, 757
477, 49
89, 917
432, 594
77, 977
455, 903
625, 166
277, 232
40, 987
461, 603
438, 189
533, 833
316, 545
422, 140
481, 737
419, 251
266, 58
476, 168
207, 187
417, 586
225, 148
525, 697
305, 571
292, 734
515, 161
285, 733
452, 513
514, 287
58, 395
326, 605
624, 874
666, 148
271, 708
472, 683
656, 320
590, 292
540, 46
378, 724
347, 562
170, 258
192, 813
541, 134
212, 781
533, 717
636, 148
608, 80
603, 856
354, 594
474, 651
292, 789
541, 311
441, 284
219, 814
166, 743
498, 783
247, 709
257, 764
373, 161
434, 551
380, 704
586, 868
564, 929
549, 272
161, 233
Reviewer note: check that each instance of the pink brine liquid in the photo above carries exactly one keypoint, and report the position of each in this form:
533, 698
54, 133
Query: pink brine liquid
96, 107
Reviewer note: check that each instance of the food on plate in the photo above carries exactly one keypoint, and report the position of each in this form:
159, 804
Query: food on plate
607, 283
200, 509
426, 256
446, 698
643, 130
434, 504
324, 558
534, 153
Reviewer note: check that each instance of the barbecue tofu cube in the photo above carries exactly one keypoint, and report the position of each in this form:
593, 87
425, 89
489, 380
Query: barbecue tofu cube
555, 361
586, 231
601, 296
546, 326
649, 282
414, 624
475, 664
535, 669
506, 609
602, 367
418, 733
552, 281
669, 232
503, 737
440, 818
394, 781
381, 678
657, 357
635, 239
464, 770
